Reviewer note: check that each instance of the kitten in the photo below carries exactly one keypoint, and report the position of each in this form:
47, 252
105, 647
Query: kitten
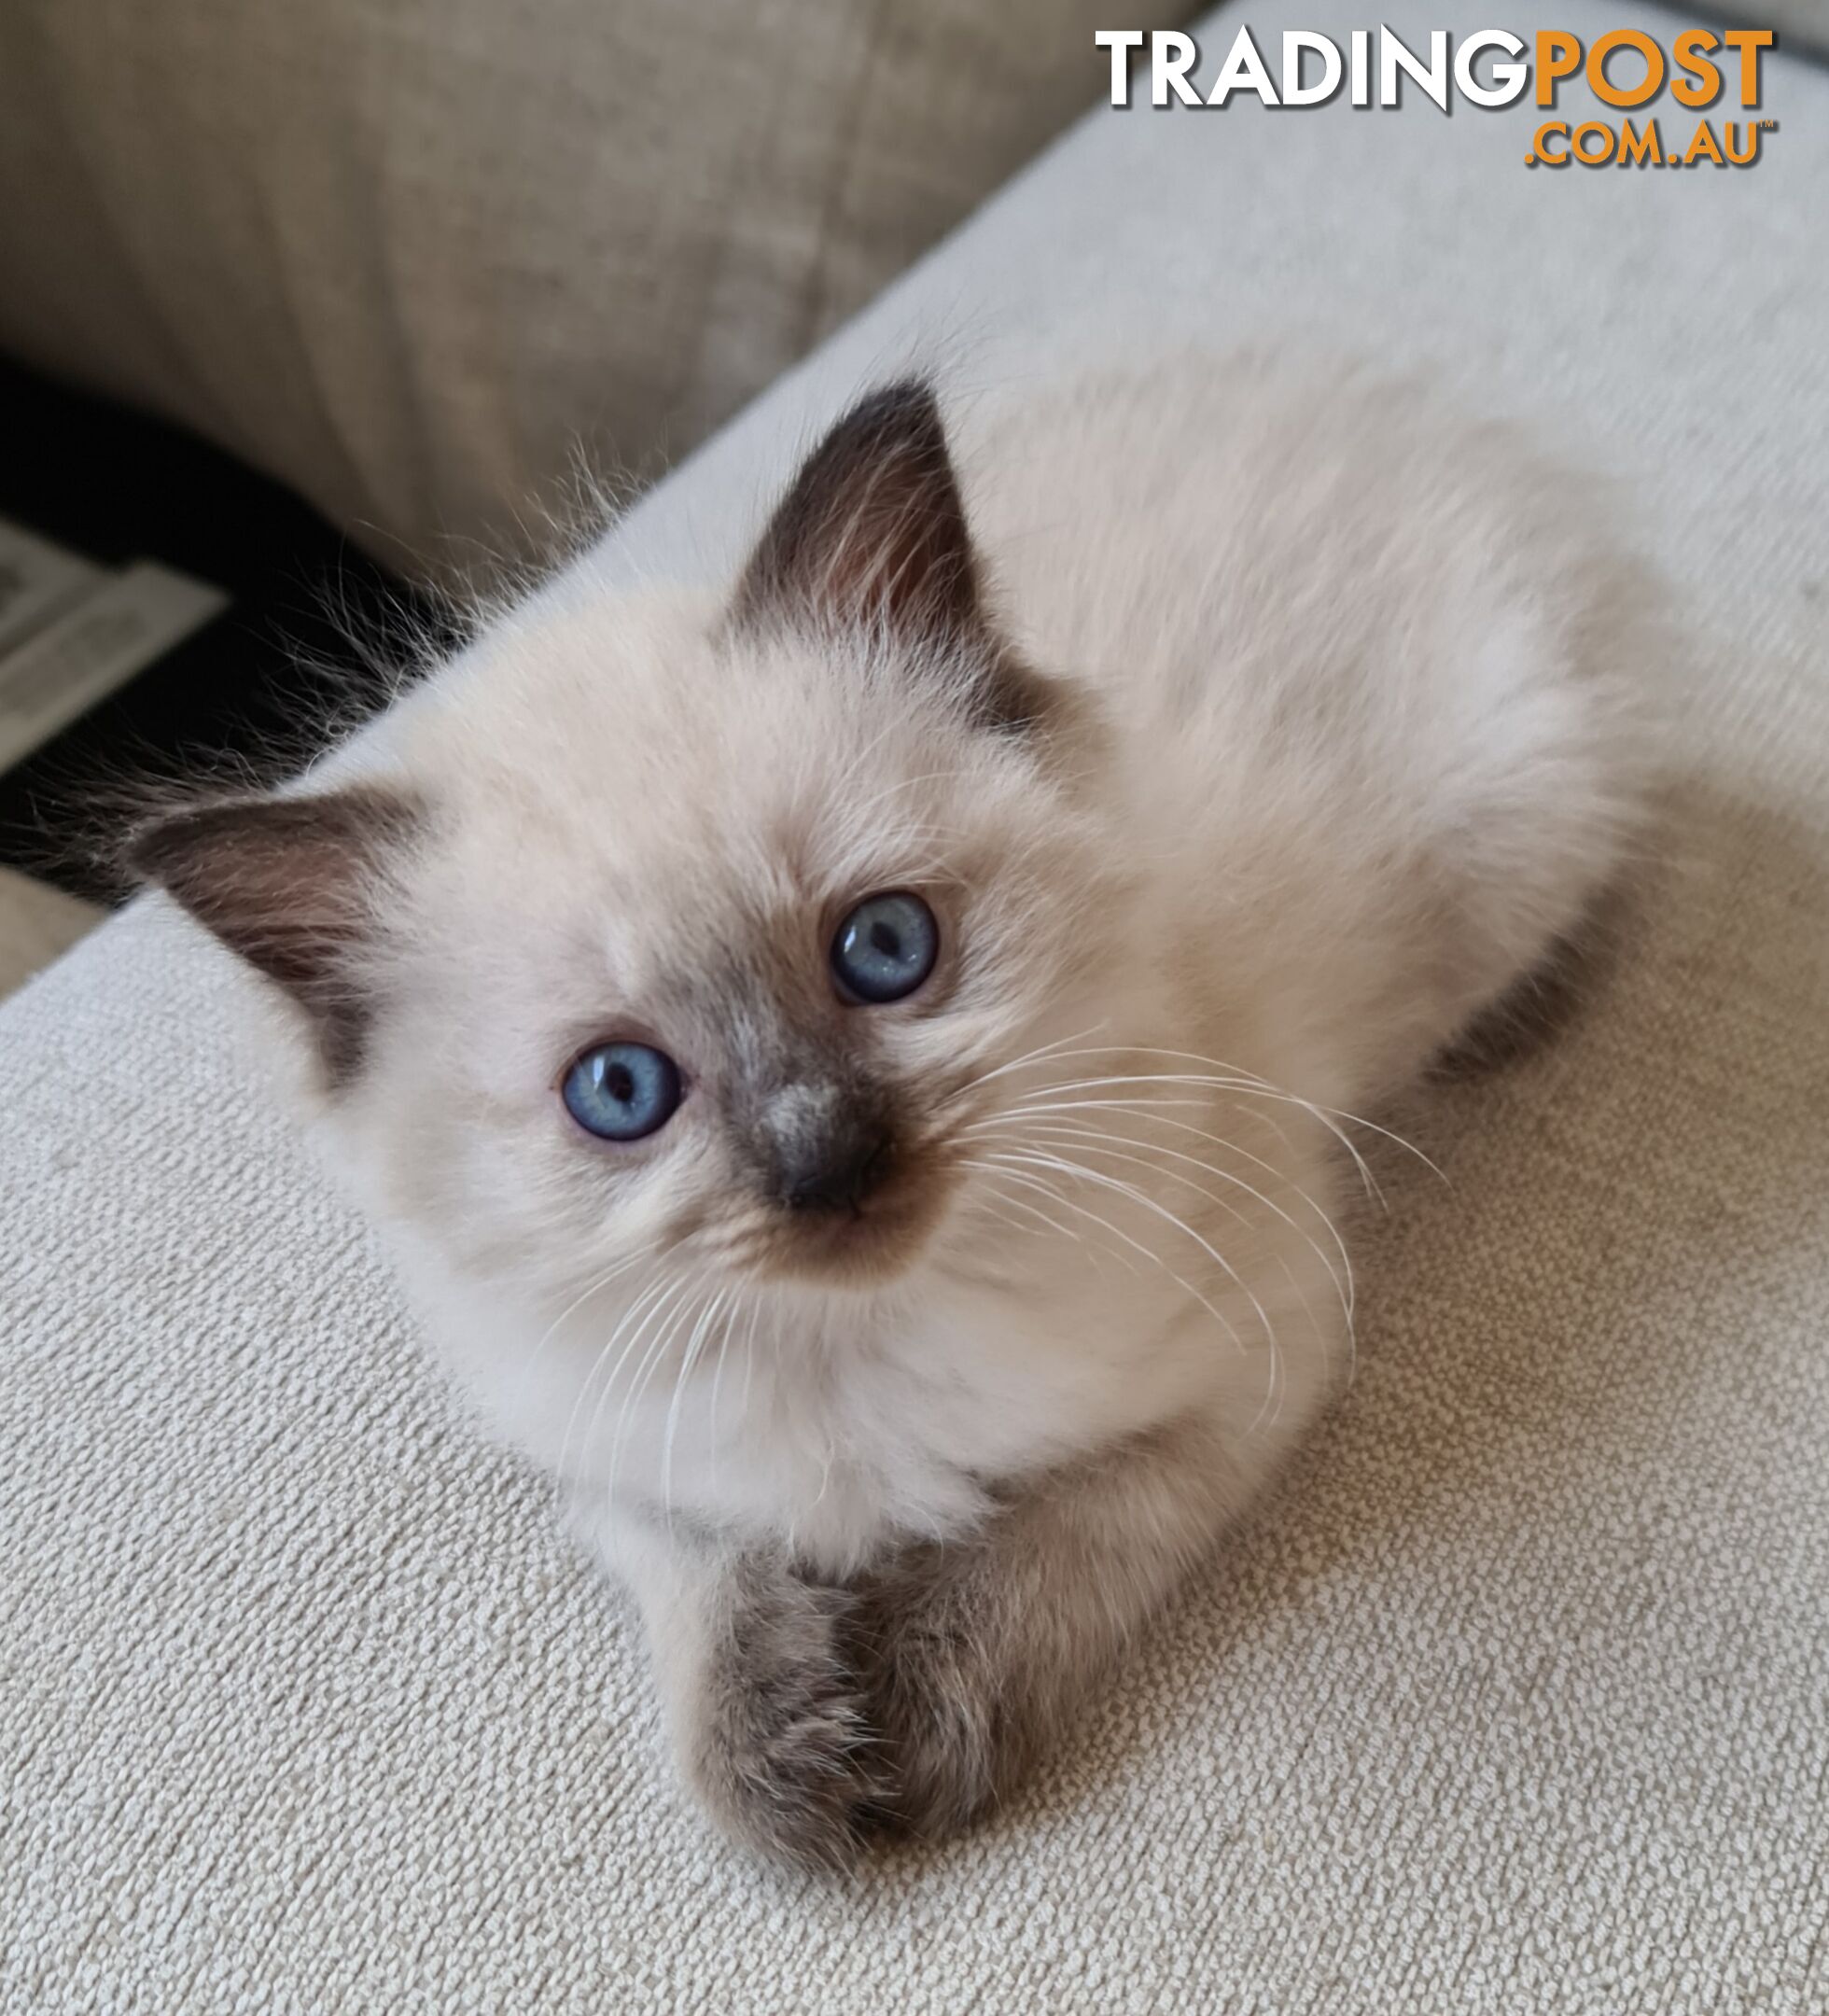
853, 1062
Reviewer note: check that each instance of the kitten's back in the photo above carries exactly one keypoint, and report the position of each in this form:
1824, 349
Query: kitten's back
1375, 671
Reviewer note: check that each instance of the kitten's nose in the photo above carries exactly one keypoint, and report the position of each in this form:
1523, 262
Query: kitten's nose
830, 1156
843, 1178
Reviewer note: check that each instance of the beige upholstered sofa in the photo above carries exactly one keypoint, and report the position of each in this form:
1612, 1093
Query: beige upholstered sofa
1517, 1700
416, 256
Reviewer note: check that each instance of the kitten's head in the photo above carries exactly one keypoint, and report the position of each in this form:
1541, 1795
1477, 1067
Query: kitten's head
693, 925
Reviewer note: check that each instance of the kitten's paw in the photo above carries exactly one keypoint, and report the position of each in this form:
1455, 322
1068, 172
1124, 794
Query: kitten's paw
778, 1750
950, 1721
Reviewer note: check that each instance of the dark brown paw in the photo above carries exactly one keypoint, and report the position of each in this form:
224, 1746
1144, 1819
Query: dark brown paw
780, 1752
950, 1726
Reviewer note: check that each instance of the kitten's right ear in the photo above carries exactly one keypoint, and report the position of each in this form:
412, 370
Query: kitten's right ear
291, 886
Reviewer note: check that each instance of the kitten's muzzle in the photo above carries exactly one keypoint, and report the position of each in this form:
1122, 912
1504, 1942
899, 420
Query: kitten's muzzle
845, 1197
822, 1145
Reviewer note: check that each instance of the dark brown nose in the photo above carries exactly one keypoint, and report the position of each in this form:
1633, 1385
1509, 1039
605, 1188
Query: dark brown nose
836, 1168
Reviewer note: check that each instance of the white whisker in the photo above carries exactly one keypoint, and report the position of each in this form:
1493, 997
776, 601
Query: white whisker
603, 1280
604, 1357
1012, 1165
1099, 1138
713, 1308
749, 1358
1264, 1085
1030, 1057
662, 1311
1250, 1088
716, 1384
1053, 1224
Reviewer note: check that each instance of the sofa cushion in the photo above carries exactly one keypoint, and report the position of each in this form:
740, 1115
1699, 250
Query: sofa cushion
1515, 1701
408, 255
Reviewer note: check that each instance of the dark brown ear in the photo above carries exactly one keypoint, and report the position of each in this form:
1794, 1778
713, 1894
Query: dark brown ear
872, 536
872, 531
290, 885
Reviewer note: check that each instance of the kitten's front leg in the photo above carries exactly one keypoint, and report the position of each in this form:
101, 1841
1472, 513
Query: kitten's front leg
977, 1653
752, 1660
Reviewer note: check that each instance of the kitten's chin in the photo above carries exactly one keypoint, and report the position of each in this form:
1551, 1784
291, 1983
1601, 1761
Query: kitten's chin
867, 1250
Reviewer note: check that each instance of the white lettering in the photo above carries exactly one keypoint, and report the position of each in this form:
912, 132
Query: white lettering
1171, 57
1393, 56
1243, 71
1120, 41
1361, 82
1295, 93
1508, 78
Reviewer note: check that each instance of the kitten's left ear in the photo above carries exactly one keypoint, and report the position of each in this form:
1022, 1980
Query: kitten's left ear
295, 886
872, 536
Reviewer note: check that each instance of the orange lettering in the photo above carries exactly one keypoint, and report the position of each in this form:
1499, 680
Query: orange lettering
1614, 94
1704, 143
1749, 41
1691, 60
1635, 147
1558, 55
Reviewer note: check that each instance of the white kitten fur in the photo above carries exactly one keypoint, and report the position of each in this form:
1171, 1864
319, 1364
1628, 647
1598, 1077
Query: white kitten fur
1362, 744
1248, 731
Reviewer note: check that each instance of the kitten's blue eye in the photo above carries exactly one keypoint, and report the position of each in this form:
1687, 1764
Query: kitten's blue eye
886, 947
620, 1091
